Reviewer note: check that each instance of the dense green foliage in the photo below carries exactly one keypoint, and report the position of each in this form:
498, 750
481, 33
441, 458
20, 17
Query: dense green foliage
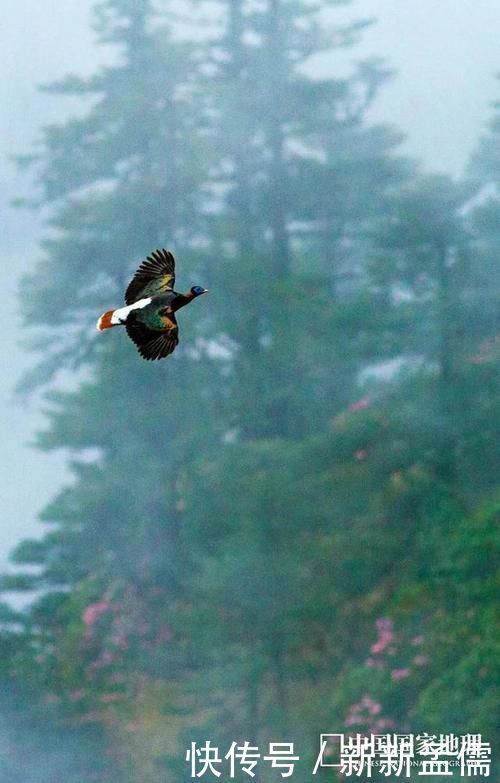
288, 527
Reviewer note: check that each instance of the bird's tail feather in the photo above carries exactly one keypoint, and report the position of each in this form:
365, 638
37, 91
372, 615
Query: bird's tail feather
105, 321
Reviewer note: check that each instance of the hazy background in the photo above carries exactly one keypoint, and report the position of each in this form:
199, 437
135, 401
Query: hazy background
185, 589
442, 92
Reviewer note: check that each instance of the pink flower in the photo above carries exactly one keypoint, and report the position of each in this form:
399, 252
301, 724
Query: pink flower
421, 660
121, 641
400, 674
384, 723
362, 713
93, 611
361, 454
385, 635
372, 706
353, 720
359, 405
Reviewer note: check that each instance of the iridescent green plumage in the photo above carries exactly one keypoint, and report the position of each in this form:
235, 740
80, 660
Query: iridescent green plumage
154, 276
150, 306
155, 334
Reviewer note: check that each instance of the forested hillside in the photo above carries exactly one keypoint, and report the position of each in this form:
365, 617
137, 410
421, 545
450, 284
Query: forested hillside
290, 526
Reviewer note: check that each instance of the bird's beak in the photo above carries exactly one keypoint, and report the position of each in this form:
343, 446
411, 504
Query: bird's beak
205, 291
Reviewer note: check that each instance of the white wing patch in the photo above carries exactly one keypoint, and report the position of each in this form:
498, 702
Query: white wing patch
120, 316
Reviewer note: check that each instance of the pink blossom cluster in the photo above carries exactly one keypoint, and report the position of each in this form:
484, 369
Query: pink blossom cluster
367, 705
93, 612
400, 674
385, 644
120, 640
359, 405
385, 635
366, 715
119, 633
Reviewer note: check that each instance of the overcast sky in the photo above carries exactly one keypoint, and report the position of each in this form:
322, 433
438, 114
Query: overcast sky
446, 55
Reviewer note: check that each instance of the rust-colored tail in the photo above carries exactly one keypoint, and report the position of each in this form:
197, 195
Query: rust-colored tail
104, 321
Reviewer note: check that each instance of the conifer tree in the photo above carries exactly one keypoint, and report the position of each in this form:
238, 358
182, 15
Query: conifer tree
288, 328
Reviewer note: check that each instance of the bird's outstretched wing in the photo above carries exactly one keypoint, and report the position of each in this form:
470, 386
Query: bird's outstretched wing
153, 343
155, 275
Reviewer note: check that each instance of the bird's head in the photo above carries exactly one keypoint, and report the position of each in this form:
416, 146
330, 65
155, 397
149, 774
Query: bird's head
197, 290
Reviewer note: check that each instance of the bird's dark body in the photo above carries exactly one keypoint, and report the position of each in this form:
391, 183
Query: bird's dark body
169, 301
152, 325
160, 305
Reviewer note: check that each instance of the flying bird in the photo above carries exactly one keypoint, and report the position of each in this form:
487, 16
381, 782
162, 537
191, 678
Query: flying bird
151, 304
